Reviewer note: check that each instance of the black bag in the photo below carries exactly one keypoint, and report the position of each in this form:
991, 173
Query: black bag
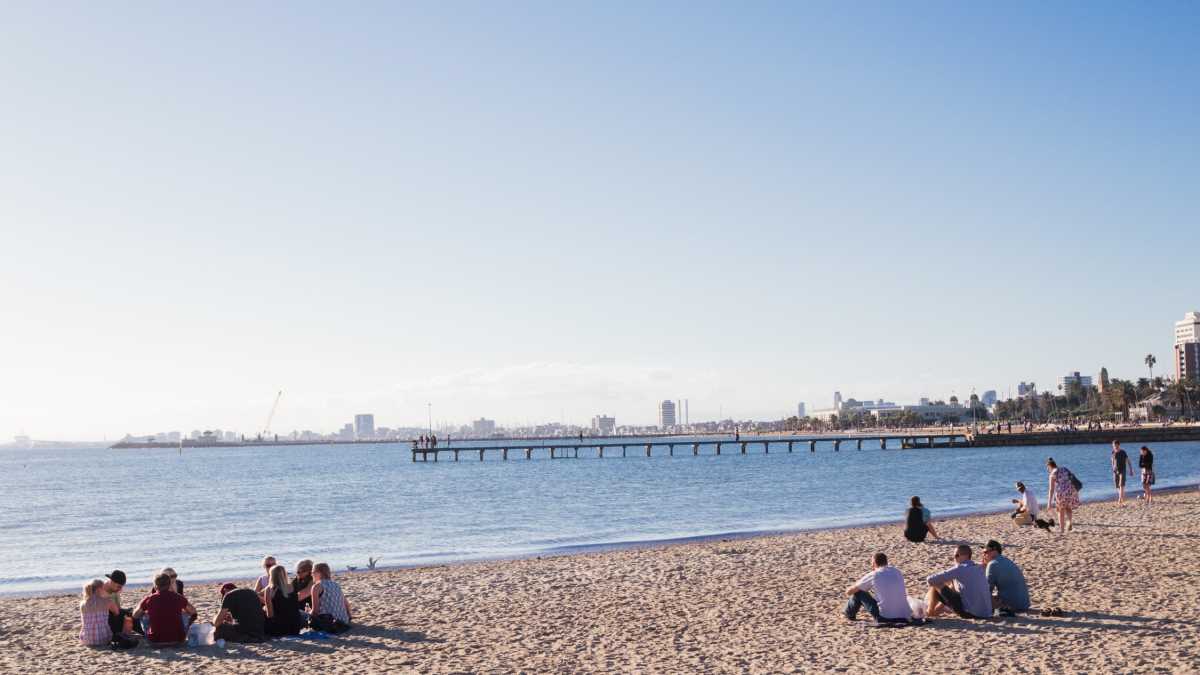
121, 642
1075, 481
327, 624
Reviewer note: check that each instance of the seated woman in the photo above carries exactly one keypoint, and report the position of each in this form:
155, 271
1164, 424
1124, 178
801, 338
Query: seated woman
331, 610
281, 605
94, 611
916, 522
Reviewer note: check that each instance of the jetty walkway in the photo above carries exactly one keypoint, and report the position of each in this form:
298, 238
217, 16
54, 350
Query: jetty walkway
570, 448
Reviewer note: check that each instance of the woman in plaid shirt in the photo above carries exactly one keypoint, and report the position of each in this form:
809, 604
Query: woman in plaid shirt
94, 611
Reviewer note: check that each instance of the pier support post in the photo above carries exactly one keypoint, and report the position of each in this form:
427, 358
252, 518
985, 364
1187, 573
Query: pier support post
577, 452
601, 449
647, 449
624, 450
789, 446
860, 444
552, 451
743, 447
456, 455
766, 447
435, 454
883, 444
481, 454
695, 449
718, 447
414, 455
812, 446
837, 445
528, 453
504, 454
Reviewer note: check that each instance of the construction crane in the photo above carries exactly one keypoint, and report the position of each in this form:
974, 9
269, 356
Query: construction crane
266, 432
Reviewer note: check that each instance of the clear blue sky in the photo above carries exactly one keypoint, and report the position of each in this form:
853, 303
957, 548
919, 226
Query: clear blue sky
529, 211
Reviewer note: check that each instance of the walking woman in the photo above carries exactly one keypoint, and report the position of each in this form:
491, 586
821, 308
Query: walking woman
1146, 464
1062, 495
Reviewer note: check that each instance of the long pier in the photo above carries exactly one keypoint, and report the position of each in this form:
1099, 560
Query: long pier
570, 448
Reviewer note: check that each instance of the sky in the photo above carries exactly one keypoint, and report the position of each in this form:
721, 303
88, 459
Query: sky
544, 211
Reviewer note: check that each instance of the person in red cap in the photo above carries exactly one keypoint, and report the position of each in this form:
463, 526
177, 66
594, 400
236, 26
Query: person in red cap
241, 617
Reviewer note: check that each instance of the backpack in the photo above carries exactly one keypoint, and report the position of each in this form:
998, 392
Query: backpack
1074, 481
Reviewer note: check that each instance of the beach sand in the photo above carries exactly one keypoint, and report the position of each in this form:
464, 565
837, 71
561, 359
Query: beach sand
1128, 578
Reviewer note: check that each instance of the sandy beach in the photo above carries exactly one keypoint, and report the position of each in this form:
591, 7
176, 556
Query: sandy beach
1127, 578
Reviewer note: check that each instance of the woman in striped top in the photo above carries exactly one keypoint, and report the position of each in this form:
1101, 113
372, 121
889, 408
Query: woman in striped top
329, 603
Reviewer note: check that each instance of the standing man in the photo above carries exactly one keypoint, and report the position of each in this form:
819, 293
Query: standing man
1121, 466
1006, 579
889, 602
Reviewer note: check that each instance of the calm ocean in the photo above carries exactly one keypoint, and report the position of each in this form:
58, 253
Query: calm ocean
70, 515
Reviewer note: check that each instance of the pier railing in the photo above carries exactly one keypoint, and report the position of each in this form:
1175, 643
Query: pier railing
569, 448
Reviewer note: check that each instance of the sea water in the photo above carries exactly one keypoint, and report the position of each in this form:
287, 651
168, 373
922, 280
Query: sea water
70, 515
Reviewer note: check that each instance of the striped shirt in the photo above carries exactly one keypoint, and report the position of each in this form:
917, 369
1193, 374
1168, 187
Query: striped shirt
333, 602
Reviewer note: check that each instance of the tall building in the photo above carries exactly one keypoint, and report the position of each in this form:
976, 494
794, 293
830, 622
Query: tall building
1074, 379
800, 410
483, 427
364, 426
604, 425
1187, 347
837, 400
988, 398
666, 414
1026, 389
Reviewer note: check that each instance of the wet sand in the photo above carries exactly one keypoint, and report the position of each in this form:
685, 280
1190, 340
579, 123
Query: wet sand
1128, 578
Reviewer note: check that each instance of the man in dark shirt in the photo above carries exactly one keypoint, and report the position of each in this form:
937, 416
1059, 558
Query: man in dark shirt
1121, 466
302, 582
166, 610
241, 617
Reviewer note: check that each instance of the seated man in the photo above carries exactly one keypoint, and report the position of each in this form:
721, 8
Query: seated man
165, 607
302, 582
889, 602
962, 588
113, 584
1006, 579
241, 617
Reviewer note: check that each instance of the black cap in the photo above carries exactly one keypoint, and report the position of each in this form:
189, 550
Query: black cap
117, 576
993, 545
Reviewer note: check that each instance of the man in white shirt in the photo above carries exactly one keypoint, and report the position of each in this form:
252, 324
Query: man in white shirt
880, 591
1027, 509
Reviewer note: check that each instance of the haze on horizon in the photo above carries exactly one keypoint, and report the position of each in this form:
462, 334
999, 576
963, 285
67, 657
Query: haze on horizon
537, 211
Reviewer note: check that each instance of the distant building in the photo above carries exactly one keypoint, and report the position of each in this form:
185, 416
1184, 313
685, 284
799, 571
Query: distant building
666, 414
1026, 389
837, 400
800, 410
989, 398
931, 412
364, 426
604, 425
1187, 347
1074, 379
347, 432
483, 427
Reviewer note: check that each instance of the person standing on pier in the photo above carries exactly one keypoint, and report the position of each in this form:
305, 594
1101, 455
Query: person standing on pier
1121, 466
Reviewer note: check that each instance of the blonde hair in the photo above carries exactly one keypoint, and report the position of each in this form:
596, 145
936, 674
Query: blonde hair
92, 600
278, 581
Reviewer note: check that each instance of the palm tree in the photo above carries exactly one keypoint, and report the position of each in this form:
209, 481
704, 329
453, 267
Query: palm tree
1150, 361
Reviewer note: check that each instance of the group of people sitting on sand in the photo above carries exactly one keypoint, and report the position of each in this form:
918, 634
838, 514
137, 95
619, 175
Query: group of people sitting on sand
275, 607
968, 589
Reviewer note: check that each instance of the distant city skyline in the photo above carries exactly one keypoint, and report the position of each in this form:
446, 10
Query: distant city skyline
553, 211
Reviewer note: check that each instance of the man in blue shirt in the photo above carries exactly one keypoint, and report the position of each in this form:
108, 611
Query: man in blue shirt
962, 588
1006, 579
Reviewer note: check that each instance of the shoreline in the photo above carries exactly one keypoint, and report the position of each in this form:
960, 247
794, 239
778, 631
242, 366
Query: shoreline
760, 604
614, 547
